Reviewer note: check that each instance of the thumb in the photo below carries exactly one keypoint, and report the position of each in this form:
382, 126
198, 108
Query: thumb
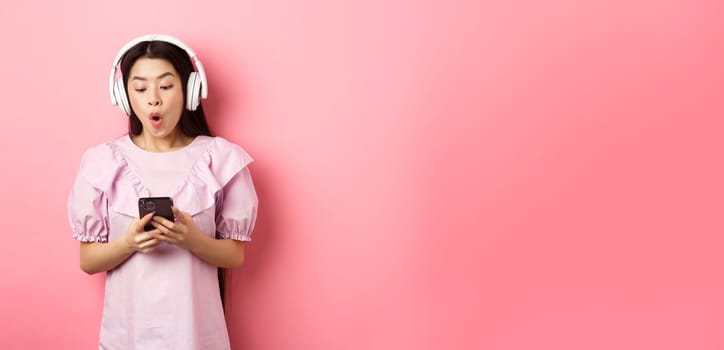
138, 224
145, 219
179, 215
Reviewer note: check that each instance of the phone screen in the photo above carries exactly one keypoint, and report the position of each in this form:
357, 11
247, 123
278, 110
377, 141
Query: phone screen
160, 205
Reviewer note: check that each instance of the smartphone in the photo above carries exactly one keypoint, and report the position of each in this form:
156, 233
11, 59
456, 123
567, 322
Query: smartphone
160, 205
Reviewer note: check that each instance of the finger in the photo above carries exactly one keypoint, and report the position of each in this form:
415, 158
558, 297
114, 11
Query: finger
149, 243
162, 230
167, 239
170, 236
153, 233
146, 218
163, 221
144, 236
147, 249
180, 215
141, 237
140, 223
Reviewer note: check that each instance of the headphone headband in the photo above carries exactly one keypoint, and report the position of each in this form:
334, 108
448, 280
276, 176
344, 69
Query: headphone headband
165, 38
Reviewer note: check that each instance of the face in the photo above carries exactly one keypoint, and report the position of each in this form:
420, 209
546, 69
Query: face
156, 95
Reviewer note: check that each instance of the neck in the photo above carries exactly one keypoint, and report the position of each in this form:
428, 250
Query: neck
153, 143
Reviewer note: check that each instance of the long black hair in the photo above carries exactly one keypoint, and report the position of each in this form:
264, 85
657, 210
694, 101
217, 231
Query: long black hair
192, 123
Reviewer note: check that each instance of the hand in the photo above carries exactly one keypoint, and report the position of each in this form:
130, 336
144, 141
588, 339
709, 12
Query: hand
182, 233
139, 240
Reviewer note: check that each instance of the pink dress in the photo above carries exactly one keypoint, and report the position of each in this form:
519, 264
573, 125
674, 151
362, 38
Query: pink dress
169, 298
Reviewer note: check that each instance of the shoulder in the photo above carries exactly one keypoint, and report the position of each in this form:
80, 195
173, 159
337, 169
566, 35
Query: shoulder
101, 152
226, 158
221, 148
100, 163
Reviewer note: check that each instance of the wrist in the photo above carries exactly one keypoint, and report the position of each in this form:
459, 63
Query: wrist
125, 243
198, 242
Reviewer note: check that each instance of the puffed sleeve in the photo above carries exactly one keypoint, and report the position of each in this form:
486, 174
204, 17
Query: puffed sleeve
87, 207
236, 207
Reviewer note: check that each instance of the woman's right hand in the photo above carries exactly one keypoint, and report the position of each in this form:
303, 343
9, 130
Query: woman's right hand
139, 240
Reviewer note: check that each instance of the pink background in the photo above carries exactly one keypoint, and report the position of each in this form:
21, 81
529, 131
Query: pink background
432, 174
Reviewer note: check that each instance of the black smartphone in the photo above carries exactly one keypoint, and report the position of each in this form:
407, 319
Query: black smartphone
160, 205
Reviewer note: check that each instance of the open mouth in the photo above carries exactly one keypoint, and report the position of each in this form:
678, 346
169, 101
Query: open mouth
155, 119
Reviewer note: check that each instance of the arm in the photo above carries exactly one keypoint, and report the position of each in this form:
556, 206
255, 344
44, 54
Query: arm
226, 253
99, 257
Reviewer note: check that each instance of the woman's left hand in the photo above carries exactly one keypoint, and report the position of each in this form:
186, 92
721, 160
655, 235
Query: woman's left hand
182, 233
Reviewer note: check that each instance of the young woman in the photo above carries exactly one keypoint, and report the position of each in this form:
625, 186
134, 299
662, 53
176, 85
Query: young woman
162, 287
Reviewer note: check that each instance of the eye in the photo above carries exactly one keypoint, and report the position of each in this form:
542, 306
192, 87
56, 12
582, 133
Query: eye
167, 87
140, 89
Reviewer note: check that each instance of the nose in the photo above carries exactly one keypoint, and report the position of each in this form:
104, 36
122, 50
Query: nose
154, 99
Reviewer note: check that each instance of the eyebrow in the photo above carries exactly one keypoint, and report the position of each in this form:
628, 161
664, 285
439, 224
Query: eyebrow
159, 77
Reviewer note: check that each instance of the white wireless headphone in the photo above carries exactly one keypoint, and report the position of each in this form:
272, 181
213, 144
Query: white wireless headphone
196, 87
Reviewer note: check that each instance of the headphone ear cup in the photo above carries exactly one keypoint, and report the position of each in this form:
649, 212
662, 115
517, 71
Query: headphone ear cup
193, 91
120, 93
